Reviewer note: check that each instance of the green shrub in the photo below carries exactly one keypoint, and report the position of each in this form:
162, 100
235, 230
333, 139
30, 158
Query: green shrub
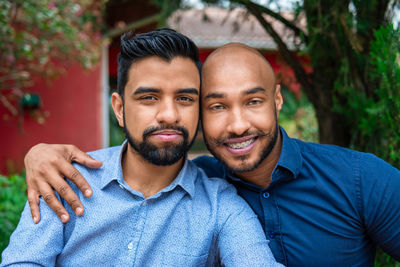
297, 117
12, 201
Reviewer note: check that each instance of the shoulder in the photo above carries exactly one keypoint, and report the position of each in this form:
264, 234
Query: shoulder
219, 192
106, 154
346, 166
110, 157
210, 165
206, 178
337, 157
318, 149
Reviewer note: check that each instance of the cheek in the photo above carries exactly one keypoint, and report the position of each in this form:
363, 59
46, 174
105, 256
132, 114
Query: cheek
264, 121
190, 119
212, 126
137, 121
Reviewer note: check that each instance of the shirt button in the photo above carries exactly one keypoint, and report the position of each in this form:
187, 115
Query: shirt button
266, 195
130, 246
271, 234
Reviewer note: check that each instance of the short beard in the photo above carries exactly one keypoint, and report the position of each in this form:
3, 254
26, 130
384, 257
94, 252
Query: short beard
161, 156
273, 137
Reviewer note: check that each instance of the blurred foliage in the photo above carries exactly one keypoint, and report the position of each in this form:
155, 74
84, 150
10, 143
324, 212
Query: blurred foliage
376, 116
12, 201
330, 32
384, 260
37, 34
297, 117
117, 136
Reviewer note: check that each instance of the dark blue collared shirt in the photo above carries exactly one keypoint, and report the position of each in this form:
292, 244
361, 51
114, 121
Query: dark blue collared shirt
326, 205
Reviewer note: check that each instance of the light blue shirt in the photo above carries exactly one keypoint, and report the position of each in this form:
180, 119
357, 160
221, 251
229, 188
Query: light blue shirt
195, 221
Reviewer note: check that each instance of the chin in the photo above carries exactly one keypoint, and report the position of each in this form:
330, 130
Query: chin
240, 167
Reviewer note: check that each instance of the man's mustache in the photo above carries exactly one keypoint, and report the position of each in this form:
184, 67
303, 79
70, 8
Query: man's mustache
152, 129
223, 140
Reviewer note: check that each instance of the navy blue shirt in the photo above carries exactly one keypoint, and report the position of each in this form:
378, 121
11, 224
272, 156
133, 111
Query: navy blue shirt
326, 205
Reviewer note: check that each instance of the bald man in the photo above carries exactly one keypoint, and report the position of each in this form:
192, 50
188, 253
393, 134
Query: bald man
319, 205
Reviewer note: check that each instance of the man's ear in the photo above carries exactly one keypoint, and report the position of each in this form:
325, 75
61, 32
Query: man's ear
118, 107
278, 99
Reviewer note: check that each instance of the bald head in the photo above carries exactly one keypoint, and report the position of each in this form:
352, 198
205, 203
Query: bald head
238, 56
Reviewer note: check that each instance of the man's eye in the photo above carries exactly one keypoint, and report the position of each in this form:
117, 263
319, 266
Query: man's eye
217, 107
254, 102
148, 98
185, 99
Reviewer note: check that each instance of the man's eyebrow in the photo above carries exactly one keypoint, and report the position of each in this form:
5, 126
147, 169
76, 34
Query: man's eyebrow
142, 90
215, 95
254, 90
192, 91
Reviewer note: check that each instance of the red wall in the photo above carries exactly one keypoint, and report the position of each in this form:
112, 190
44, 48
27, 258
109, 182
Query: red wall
73, 102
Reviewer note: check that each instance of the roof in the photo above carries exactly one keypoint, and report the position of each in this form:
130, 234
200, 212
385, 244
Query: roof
213, 26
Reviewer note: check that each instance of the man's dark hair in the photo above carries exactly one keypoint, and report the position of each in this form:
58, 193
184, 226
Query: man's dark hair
164, 43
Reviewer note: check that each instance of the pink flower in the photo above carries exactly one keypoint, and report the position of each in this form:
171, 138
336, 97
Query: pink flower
10, 58
83, 36
52, 5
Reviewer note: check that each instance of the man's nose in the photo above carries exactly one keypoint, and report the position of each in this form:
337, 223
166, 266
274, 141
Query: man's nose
168, 112
238, 122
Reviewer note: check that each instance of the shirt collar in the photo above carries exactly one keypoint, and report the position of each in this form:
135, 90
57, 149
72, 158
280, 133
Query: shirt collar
290, 157
113, 172
185, 179
113, 167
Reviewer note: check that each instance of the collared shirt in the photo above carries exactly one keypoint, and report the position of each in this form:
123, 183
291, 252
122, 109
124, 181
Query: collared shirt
325, 206
195, 221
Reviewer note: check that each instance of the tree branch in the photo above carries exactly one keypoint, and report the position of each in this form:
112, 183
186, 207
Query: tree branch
8, 105
133, 25
297, 31
299, 71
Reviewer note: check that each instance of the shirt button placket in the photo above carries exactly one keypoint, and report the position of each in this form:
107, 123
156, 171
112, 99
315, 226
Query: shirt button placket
138, 230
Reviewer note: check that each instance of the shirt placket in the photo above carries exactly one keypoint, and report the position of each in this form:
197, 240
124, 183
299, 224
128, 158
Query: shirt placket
272, 227
138, 229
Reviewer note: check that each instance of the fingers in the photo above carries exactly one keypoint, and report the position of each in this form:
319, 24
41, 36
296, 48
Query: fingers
67, 170
50, 198
65, 192
81, 157
46, 166
33, 200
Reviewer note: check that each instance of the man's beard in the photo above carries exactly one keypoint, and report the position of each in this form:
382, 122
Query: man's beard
272, 136
161, 156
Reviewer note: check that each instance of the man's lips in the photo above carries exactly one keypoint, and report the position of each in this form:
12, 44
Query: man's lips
241, 145
167, 135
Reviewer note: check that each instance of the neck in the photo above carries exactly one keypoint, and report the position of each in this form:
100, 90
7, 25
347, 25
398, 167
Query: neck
146, 177
261, 176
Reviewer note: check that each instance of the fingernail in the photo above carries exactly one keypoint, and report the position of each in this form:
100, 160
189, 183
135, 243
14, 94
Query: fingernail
64, 218
35, 219
88, 193
79, 211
